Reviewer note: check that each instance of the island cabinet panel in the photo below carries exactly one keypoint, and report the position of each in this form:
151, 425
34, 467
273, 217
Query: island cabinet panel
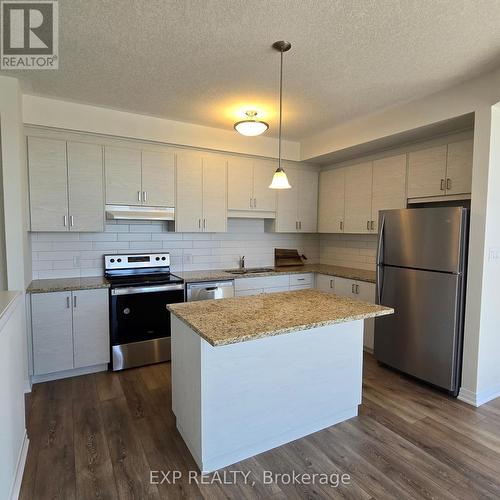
269, 399
123, 176
358, 198
331, 203
48, 183
158, 178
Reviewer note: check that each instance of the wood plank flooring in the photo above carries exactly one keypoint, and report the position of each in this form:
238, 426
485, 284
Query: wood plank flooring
99, 436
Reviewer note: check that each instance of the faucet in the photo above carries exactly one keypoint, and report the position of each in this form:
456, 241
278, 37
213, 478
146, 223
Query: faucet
242, 262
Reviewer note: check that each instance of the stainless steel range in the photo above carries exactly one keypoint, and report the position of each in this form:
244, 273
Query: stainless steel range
141, 286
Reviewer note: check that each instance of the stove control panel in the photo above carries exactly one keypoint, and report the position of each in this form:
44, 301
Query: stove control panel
136, 261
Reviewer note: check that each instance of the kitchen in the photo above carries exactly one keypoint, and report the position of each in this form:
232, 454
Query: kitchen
135, 225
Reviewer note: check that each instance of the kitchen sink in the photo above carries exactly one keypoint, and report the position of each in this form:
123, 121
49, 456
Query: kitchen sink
253, 270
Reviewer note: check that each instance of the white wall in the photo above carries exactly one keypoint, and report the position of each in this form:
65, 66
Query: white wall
55, 113
58, 255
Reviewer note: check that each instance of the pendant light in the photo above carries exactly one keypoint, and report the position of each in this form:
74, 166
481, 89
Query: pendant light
280, 180
251, 126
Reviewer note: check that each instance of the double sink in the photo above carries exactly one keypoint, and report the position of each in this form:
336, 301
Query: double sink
252, 270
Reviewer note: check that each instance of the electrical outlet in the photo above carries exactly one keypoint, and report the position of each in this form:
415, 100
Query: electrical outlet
188, 258
494, 253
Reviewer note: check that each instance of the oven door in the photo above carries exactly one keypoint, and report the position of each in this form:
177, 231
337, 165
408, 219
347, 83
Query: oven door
139, 313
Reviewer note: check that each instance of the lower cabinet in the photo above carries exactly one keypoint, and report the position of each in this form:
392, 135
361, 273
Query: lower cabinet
272, 284
360, 290
70, 330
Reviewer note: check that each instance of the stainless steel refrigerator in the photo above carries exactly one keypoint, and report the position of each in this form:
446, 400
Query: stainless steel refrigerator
421, 273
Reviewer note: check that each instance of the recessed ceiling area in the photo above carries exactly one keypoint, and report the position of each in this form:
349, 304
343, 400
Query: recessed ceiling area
207, 62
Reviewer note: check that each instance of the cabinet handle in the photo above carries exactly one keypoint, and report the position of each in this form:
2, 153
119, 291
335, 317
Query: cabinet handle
65, 220
300, 225
199, 223
144, 196
372, 225
357, 289
71, 221
74, 300
251, 203
368, 225
331, 283
341, 225
67, 302
255, 203
138, 196
352, 288
204, 223
448, 183
301, 279
442, 185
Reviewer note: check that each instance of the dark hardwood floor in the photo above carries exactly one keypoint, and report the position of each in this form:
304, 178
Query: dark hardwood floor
99, 436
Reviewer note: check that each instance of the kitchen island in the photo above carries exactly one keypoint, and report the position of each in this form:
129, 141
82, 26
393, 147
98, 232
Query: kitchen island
253, 373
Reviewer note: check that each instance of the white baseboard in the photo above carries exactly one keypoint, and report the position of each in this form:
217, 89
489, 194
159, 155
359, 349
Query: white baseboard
478, 398
36, 379
21, 462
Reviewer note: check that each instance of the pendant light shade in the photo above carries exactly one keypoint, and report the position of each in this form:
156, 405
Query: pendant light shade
280, 180
251, 127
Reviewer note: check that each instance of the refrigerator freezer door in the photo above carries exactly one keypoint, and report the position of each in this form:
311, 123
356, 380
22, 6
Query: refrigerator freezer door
422, 337
423, 238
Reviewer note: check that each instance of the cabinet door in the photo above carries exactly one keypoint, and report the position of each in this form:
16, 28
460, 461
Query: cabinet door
331, 203
264, 198
287, 213
239, 184
123, 176
459, 167
48, 180
90, 327
52, 332
358, 198
366, 292
158, 178
189, 192
214, 194
308, 201
85, 187
344, 287
389, 185
325, 283
427, 172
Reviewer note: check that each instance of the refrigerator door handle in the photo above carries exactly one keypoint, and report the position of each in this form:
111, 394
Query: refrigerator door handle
380, 249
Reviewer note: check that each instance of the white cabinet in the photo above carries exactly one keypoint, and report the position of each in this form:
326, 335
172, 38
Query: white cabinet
297, 209
248, 186
90, 327
70, 330
325, 283
135, 177
273, 284
459, 167
331, 205
358, 198
388, 187
441, 170
201, 193
66, 185
158, 178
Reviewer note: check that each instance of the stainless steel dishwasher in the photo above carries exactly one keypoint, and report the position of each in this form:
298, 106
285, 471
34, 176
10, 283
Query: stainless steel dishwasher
208, 290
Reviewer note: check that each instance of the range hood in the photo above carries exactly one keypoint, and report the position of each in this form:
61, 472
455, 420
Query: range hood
126, 212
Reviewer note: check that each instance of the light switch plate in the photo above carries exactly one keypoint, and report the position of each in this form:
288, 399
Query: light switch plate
494, 253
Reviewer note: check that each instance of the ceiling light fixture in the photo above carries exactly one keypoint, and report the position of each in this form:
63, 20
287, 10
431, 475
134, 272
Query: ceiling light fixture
280, 180
251, 127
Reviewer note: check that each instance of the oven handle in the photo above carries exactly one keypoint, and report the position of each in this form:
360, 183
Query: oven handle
145, 289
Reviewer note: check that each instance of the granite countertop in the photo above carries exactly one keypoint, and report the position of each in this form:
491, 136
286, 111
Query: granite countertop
339, 271
67, 284
229, 321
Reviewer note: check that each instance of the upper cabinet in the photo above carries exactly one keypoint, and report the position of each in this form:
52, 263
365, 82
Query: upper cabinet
201, 193
441, 170
248, 187
66, 185
331, 205
351, 197
135, 177
297, 207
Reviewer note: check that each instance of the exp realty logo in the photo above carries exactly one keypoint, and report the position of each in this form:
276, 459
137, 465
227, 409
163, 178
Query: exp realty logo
30, 37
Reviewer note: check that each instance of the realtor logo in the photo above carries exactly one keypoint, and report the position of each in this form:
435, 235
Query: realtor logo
29, 38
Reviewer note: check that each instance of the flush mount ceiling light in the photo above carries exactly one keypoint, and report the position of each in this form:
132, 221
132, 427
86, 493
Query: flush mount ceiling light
251, 127
280, 180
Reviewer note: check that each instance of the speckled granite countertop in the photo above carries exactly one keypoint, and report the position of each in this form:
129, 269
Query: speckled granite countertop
229, 321
67, 284
341, 272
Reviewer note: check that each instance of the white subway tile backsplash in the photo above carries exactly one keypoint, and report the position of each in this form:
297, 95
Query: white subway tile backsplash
59, 255
349, 250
